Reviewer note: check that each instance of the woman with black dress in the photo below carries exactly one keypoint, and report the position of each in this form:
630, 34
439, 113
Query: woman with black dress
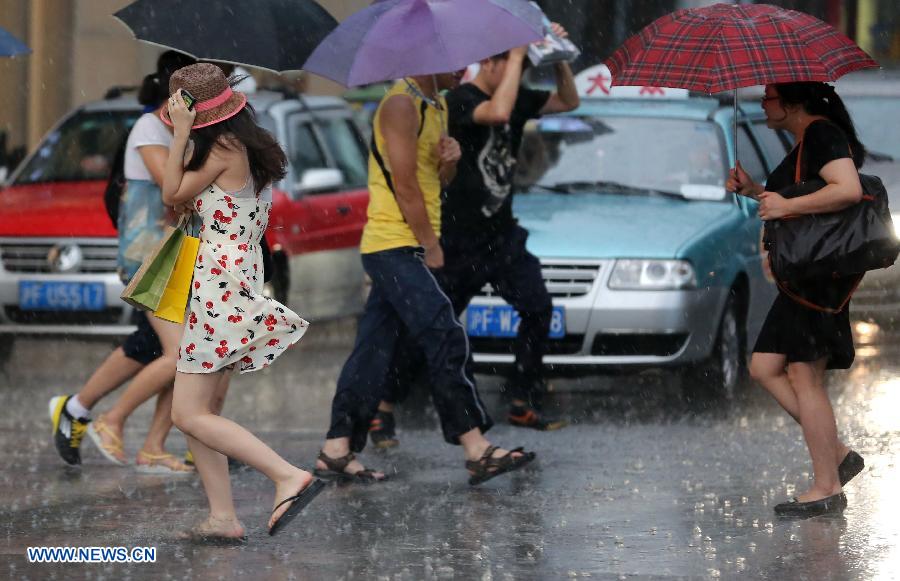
799, 341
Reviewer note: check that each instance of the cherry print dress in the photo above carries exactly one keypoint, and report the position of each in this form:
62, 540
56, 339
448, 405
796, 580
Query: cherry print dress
229, 321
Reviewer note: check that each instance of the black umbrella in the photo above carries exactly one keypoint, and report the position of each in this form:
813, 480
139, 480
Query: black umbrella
278, 35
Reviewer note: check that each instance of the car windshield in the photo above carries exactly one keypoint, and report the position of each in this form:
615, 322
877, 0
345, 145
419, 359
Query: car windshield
869, 115
80, 149
623, 155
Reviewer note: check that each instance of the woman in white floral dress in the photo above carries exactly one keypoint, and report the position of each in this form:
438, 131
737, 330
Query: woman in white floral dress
230, 323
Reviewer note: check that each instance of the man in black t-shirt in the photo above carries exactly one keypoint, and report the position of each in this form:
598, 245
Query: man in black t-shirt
482, 241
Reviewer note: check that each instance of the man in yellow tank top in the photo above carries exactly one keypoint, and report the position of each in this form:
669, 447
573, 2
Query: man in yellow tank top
411, 160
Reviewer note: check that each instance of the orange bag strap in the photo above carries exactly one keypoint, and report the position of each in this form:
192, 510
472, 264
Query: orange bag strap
797, 168
809, 304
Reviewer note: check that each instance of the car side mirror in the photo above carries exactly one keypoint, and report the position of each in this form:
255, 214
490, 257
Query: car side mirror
319, 180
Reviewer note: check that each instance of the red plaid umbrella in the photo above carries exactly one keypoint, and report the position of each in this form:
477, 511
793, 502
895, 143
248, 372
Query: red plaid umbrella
726, 46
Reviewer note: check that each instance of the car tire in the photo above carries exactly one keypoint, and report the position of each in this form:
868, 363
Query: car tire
718, 378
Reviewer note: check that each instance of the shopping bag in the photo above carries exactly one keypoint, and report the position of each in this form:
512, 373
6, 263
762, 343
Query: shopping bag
178, 288
145, 290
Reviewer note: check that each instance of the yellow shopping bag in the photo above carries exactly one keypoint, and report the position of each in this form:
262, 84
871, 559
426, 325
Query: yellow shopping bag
175, 297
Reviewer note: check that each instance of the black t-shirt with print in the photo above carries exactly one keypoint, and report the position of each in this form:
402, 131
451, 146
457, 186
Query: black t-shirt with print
477, 206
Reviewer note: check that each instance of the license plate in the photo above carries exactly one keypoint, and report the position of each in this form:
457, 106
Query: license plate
61, 296
503, 321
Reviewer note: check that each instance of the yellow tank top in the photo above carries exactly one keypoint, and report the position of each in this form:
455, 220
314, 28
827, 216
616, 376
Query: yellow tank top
386, 228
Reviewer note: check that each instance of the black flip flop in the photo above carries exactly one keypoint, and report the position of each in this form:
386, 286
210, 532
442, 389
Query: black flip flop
298, 503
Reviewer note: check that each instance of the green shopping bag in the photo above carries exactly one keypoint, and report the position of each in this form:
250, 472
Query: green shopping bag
178, 288
146, 288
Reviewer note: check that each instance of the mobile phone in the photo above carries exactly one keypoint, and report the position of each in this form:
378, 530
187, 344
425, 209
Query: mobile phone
189, 99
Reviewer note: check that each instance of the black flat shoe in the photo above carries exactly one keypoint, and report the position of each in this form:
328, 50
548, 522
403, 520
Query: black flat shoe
851, 465
796, 509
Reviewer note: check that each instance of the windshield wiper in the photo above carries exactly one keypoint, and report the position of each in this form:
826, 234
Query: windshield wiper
606, 186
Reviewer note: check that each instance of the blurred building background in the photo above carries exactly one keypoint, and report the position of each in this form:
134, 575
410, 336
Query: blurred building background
80, 51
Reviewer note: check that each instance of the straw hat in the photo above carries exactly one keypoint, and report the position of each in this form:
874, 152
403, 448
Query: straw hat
215, 99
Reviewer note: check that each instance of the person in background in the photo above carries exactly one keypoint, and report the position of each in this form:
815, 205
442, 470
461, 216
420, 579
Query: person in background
411, 160
141, 358
482, 241
799, 340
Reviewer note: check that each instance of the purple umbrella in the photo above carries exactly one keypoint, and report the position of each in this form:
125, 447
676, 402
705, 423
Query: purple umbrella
398, 38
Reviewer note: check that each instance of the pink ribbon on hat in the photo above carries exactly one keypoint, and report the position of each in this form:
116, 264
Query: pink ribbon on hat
215, 101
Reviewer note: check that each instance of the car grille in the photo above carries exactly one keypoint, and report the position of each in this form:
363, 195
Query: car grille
636, 344
108, 316
563, 278
568, 345
31, 255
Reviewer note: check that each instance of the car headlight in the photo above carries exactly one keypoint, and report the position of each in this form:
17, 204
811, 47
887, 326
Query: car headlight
652, 275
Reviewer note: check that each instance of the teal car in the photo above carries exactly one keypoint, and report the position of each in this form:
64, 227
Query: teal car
650, 262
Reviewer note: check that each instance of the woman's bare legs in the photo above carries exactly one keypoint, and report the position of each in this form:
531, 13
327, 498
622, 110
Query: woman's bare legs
212, 438
150, 381
162, 417
115, 370
218, 401
161, 423
819, 428
770, 371
213, 468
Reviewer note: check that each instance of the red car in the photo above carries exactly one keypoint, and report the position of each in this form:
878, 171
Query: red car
58, 246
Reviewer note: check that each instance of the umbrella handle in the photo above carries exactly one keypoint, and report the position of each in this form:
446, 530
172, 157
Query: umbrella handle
439, 106
735, 127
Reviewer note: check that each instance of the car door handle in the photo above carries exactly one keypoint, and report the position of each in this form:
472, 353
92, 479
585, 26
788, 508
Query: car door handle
343, 210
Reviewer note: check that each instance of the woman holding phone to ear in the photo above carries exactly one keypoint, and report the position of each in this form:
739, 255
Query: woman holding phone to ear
228, 181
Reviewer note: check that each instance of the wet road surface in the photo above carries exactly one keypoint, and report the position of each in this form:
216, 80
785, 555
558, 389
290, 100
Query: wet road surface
642, 486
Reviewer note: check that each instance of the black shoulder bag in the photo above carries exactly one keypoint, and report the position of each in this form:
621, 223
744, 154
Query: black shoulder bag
845, 243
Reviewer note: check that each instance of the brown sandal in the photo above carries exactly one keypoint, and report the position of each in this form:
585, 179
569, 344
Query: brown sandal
487, 466
337, 470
